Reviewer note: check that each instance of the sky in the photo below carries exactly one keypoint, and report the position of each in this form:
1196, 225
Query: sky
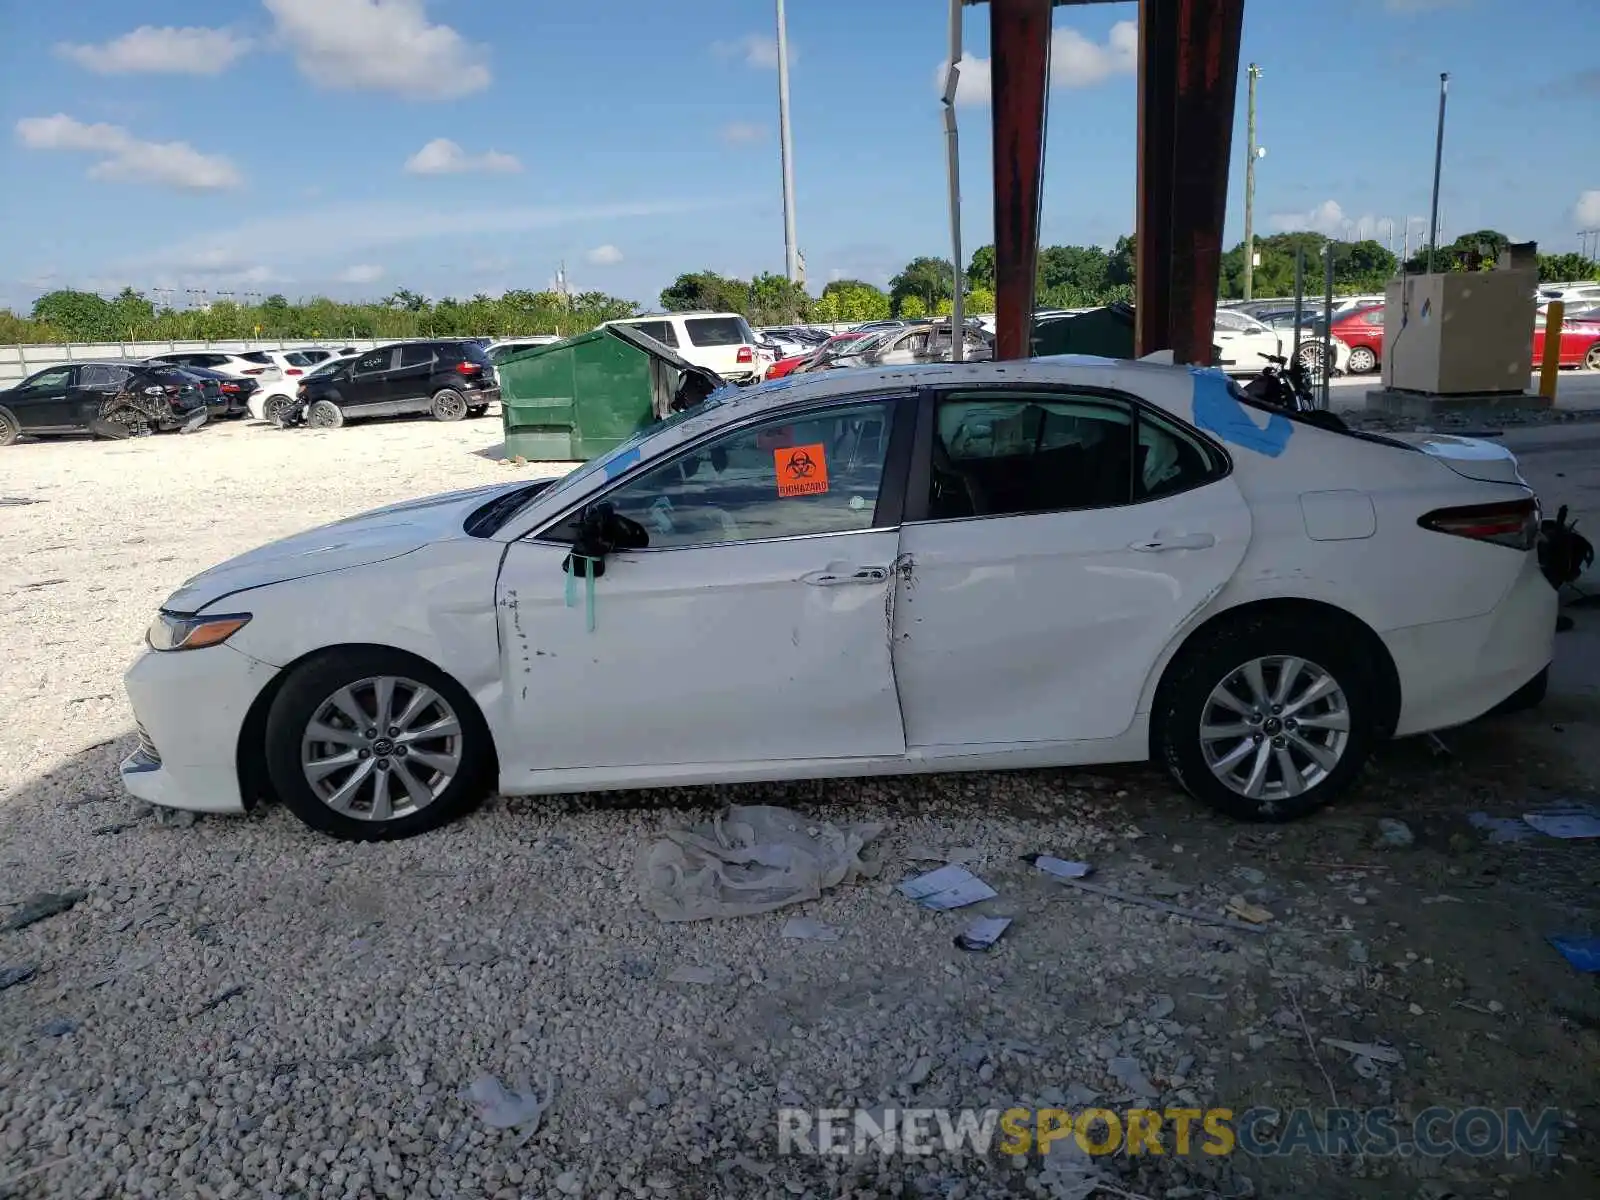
351, 147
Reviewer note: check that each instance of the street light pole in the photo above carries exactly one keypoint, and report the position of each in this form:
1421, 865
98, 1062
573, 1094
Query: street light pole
1250, 190
791, 256
1438, 162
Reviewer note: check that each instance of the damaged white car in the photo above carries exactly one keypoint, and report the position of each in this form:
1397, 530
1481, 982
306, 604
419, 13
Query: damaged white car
938, 568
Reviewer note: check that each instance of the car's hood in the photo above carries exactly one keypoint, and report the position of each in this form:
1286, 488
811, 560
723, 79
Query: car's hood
358, 541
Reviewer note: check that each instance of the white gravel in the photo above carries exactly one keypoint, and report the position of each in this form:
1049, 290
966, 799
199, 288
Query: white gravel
242, 1007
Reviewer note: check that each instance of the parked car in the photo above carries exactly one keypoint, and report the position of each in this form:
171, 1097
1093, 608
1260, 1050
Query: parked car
225, 396
448, 378
109, 397
719, 342
1362, 330
828, 348
270, 398
1580, 343
250, 364
1242, 342
1079, 561
501, 350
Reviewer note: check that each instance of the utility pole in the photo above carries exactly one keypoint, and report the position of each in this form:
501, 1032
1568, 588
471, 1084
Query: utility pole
791, 259
1250, 190
1438, 162
1589, 249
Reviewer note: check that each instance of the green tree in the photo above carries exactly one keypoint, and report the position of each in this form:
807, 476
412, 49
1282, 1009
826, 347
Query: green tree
913, 308
980, 271
980, 301
925, 278
774, 300
706, 290
83, 316
1121, 263
1555, 268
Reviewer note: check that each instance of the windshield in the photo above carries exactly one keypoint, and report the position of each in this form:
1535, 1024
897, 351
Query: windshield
332, 364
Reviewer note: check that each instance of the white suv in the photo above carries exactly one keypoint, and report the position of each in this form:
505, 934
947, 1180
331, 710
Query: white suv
251, 364
720, 342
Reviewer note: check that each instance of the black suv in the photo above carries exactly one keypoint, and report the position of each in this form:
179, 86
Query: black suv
108, 397
450, 378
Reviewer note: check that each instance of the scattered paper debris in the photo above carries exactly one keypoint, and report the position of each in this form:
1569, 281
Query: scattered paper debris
982, 933
808, 929
1061, 868
1568, 823
501, 1108
1582, 951
747, 860
949, 887
1370, 1050
1246, 911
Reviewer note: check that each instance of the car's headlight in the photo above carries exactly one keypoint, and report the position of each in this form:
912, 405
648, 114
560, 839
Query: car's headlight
174, 631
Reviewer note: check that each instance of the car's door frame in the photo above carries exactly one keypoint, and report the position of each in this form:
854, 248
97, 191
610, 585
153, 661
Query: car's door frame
549, 532
58, 405
375, 385
402, 398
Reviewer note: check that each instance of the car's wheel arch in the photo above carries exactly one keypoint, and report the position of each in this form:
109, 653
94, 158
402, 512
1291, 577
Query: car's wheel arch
250, 754
1385, 676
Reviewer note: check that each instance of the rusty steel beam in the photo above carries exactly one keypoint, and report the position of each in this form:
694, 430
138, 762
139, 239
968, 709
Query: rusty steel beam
1019, 48
1152, 226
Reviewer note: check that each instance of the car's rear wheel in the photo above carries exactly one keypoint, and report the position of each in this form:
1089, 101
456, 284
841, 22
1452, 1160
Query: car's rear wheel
1591, 360
1266, 718
10, 429
1362, 360
372, 745
448, 405
325, 414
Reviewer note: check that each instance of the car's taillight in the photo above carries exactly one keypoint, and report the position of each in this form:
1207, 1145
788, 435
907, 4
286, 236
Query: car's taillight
294, 371
469, 368
230, 387
746, 355
1514, 523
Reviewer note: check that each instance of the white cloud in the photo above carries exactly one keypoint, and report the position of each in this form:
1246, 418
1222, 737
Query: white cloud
1586, 211
604, 256
379, 45
1329, 218
757, 50
444, 157
743, 133
124, 158
1075, 62
192, 50
360, 273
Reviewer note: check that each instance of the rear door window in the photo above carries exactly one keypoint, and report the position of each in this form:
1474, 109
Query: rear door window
662, 331
718, 331
372, 363
260, 357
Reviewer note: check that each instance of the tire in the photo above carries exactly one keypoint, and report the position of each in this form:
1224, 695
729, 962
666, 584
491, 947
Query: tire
1361, 361
1591, 360
345, 801
10, 428
273, 408
448, 405
1186, 701
324, 414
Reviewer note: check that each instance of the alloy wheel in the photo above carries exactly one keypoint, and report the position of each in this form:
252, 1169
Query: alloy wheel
1362, 360
1275, 727
447, 406
1591, 360
381, 748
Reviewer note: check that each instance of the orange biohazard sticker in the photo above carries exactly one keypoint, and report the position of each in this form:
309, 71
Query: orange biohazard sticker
802, 470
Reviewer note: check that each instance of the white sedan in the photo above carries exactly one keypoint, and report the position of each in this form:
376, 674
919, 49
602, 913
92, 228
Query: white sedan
264, 403
938, 568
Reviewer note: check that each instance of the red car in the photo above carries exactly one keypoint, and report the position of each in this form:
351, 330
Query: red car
1363, 331
786, 366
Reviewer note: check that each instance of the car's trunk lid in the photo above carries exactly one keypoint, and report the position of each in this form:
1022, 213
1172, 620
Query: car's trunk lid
1474, 458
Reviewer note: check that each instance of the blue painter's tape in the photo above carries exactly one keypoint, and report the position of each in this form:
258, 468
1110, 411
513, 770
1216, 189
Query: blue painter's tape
1217, 410
622, 462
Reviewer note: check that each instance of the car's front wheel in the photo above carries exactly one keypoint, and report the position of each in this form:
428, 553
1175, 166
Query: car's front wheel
372, 745
325, 414
1362, 360
448, 405
1266, 718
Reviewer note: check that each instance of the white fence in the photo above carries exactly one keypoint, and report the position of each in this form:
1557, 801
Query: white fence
18, 362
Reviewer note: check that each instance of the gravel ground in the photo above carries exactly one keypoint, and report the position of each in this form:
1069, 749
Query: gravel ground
243, 1008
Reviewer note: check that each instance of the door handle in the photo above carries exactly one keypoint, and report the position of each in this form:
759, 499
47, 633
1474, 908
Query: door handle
841, 577
1181, 541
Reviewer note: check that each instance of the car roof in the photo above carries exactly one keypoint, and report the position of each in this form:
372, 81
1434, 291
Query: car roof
101, 362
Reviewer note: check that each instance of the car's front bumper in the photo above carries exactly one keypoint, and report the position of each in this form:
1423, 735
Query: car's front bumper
1452, 672
191, 706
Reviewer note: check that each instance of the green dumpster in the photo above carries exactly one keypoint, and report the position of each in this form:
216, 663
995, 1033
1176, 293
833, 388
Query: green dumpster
574, 399
1106, 331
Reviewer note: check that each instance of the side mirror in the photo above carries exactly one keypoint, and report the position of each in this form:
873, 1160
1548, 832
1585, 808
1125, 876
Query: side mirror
602, 531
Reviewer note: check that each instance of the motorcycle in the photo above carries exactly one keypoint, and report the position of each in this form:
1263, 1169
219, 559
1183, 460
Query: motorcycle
1287, 385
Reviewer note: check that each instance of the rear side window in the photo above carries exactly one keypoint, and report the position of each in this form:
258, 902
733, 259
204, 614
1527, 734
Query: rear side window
377, 360
718, 331
259, 357
662, 331
101, 375
416, 356
476, 353
295, 359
